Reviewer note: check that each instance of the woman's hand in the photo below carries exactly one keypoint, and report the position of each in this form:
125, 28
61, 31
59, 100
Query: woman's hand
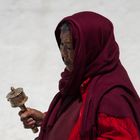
31, 117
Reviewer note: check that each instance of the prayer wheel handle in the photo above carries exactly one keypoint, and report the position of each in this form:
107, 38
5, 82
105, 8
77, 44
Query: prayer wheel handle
17, 98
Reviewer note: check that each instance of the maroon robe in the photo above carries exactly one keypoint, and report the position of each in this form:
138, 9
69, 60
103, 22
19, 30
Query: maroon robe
96, 56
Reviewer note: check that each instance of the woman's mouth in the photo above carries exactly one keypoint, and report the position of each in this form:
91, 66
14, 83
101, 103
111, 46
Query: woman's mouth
69, 66
67, 63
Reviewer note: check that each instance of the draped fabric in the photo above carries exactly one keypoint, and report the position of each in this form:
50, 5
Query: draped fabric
97, 57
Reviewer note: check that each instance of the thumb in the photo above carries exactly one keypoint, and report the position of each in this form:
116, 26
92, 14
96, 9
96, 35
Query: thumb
26, 114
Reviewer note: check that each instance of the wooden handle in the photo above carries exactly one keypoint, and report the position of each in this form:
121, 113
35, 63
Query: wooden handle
35, 129
23, 108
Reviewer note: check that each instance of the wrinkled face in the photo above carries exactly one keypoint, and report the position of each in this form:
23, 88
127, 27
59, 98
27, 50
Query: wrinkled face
66, 49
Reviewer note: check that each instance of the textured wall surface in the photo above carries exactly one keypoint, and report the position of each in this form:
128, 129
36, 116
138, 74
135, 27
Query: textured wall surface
29, 56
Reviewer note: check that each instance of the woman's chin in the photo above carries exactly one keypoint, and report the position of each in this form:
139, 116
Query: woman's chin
69, 69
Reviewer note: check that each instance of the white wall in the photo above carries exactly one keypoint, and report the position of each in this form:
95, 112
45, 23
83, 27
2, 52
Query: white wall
29, 56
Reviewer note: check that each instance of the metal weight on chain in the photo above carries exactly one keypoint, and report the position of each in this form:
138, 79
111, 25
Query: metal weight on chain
17, 98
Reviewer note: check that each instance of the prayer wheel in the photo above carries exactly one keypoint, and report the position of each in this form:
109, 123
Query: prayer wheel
17, 98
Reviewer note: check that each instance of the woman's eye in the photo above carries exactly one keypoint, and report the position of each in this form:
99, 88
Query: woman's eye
62, 44
66, 46
69, 48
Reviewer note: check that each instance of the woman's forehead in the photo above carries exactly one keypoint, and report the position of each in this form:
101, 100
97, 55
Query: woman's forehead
66, 36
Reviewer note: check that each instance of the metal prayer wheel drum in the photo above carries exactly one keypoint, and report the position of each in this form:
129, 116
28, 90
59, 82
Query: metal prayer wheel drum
17, 98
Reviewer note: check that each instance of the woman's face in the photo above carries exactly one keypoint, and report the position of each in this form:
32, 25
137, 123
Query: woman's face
66, 49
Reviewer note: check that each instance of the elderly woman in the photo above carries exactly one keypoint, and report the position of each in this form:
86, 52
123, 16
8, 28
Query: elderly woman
96, 99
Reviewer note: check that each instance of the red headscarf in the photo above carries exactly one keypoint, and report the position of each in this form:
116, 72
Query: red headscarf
96, 56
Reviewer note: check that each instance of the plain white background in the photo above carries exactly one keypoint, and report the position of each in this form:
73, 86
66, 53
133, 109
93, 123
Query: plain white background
29, 56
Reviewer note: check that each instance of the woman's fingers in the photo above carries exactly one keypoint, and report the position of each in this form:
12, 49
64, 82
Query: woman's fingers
25, 114
31, 117
30, 120
26, 118
20, 112
29, 123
